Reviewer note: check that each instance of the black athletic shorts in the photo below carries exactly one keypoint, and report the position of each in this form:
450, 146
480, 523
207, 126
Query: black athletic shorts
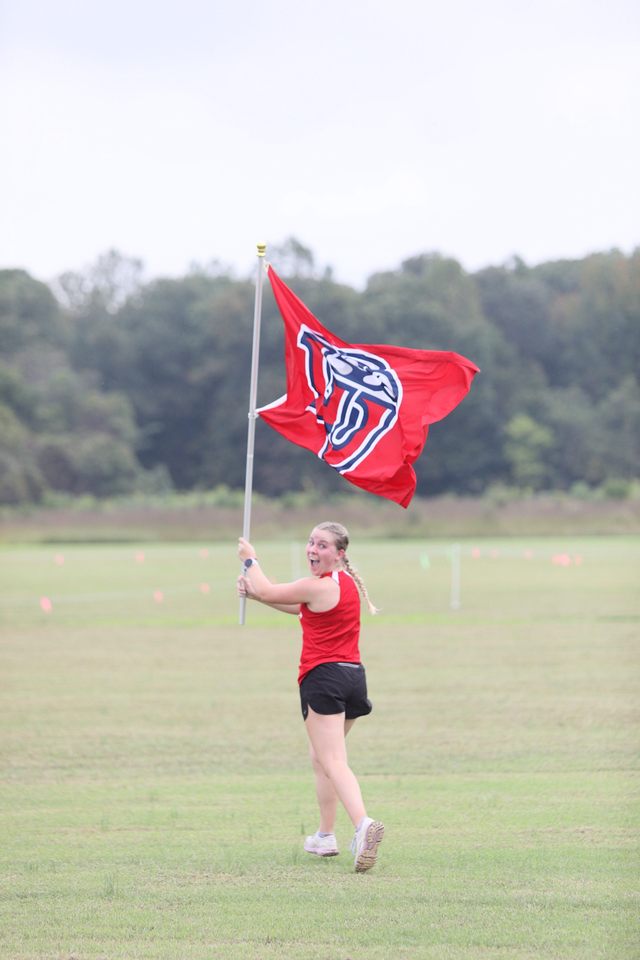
336, 688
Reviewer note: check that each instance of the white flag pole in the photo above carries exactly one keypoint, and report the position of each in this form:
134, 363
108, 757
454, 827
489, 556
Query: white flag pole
253, 393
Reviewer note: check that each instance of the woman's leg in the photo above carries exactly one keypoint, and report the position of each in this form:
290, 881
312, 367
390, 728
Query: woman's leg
326, 795
325, 790
329, 756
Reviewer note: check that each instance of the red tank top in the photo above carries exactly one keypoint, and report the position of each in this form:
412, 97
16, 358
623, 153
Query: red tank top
333, 635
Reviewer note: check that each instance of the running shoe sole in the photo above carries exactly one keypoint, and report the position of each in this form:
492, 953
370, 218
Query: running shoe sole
368, 854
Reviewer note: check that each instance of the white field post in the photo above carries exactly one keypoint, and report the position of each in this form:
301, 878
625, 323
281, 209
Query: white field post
456, 601
253, 393
296, 572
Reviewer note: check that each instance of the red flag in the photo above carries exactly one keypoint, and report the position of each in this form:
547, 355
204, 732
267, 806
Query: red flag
363, 409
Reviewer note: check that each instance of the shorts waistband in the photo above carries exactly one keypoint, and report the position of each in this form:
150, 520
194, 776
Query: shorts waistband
356, 666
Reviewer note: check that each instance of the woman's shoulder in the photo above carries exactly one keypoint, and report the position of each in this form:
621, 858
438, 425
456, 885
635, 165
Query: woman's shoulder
326, 583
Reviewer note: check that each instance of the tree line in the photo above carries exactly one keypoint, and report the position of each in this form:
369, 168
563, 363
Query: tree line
110, 384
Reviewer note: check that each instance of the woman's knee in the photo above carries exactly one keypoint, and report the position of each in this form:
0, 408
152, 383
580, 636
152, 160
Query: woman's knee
316, 761
332, 765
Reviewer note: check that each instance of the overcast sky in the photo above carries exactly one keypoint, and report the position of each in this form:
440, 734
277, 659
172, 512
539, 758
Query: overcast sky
188, 131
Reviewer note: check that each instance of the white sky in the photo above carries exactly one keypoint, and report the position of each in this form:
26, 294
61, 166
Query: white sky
181, 132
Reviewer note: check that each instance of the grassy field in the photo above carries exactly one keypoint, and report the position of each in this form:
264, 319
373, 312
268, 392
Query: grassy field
156, 790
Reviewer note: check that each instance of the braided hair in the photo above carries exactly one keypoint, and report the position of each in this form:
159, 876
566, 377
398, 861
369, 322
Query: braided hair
341, 537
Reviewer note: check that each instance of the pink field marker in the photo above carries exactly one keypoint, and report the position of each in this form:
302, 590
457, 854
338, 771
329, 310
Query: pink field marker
58, 560
139, 557
476, 553
158, 596
45, 605
205, 588
561, 560
204, 553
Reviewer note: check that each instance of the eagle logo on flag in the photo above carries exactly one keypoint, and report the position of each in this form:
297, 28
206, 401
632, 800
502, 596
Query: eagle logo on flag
357, 398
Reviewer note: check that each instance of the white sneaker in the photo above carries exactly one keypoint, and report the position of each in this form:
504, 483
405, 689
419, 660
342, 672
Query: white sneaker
322, 846
365, 843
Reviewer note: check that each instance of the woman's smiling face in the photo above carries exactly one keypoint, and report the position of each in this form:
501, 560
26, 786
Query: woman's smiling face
322, 554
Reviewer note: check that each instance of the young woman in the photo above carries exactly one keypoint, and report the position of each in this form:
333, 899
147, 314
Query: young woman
333, 686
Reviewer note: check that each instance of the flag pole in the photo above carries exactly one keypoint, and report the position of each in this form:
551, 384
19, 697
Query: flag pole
253, 393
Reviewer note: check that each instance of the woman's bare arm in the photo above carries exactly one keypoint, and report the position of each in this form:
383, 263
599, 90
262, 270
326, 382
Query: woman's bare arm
245, 590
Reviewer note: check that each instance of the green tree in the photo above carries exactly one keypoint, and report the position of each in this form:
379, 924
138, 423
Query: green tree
619, 417
29, 314
21, 480
161, 370
106, 285
293, 258
187, 343
526, 446
575, 456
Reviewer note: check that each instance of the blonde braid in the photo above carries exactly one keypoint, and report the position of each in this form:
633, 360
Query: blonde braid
360, 584
341, 537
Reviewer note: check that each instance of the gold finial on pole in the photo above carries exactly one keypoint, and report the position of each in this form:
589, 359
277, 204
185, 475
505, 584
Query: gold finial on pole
262, 249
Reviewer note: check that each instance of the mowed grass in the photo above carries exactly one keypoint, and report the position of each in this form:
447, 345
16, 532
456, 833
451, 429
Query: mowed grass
156, 789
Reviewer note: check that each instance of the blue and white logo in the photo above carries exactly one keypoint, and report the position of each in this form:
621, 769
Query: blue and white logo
358, 397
